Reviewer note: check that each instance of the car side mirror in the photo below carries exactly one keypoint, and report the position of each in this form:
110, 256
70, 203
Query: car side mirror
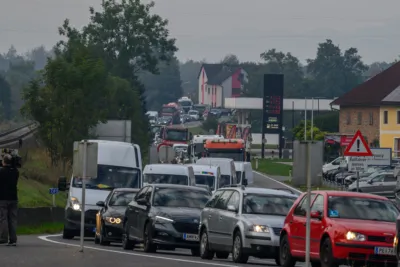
100, 204
62, 184
142, 201
316, 215
370, 182
231, 208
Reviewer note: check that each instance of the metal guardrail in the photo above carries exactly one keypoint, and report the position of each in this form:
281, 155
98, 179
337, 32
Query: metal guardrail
2, 134
16, 139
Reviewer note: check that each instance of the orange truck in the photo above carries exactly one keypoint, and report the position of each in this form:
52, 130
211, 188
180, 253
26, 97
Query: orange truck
226, 148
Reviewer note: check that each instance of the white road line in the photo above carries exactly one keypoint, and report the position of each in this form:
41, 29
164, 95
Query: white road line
46, 238
285, 185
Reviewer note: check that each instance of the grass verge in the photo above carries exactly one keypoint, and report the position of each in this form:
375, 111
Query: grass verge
197, 130
272, 167
304, 188
45, 228
37, 175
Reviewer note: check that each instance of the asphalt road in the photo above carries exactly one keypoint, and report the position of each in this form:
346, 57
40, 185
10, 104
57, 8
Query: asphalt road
49, 251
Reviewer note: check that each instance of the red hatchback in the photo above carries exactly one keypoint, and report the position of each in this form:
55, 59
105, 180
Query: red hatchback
347, 228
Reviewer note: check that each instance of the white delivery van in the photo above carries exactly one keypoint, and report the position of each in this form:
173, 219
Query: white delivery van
168, 174
228, 171
207, 175
119, 166
335, 164
244, 171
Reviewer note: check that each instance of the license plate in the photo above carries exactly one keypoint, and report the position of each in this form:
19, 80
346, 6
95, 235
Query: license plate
384, 251
190, 237
94, 230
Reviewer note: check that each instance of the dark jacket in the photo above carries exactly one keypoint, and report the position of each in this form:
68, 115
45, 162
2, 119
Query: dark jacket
8, 184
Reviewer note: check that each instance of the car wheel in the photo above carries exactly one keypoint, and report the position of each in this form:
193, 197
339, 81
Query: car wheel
238, 255
285, 256
205, 252
195, 252
67, 234
148, 245
222, 255
326, 255
102, 240
127, 244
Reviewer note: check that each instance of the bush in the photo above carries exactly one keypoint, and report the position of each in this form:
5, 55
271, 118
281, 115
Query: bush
211, 123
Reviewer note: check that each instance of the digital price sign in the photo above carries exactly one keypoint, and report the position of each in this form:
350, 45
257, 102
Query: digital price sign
273, 104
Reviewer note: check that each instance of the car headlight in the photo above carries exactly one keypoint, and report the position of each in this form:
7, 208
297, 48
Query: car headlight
161, 219
113, 220
74, 203
395, 240
259, 229
355, 236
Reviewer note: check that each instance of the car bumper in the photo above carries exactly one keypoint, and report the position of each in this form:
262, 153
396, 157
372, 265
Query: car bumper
261, 245
166, 234
113, 232
73, 221
345, 252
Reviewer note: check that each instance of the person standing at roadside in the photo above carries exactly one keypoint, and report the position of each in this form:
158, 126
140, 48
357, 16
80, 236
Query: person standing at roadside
8, 200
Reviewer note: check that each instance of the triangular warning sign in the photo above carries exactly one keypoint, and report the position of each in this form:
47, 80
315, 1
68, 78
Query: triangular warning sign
358, 147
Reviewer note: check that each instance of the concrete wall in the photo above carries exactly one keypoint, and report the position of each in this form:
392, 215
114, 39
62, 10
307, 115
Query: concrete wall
299, 175
37, 216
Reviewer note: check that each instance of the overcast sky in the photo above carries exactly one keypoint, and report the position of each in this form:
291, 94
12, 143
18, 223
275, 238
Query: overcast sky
209, 29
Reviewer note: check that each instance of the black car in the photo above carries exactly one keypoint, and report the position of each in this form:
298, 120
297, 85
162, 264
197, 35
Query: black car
165, 216
109, 218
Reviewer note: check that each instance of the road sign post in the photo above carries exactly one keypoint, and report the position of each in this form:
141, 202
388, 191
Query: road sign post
53, 192
84, 166
358, 149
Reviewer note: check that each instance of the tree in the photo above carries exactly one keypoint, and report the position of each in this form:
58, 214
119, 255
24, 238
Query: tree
189, 72
5, 99
328, 122
231, 60
298, 132
333, 72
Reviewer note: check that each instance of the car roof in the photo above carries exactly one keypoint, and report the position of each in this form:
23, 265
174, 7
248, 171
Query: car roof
348, 194
178, 186
167, 169
126, 190
263, 191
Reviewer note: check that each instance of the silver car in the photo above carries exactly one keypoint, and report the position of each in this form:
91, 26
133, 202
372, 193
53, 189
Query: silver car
382, 183
245, 222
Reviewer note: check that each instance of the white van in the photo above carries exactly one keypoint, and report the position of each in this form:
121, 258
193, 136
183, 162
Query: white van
335, 164
207, 175
168, 174
228, 171
119, 166
244, 171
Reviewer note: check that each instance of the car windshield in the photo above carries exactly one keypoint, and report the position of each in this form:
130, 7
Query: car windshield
208, 180
199, 108
185, 103
267, 204
109, 177
361, 209
121, 198
193, 112
177, 197
168, 110
235, 154
176, 135
224, 180
239, 176
152, 178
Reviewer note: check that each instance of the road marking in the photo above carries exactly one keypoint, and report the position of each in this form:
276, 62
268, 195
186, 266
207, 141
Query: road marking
285, 185
46, 238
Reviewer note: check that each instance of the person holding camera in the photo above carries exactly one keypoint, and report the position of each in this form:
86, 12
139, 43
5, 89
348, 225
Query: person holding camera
8, 201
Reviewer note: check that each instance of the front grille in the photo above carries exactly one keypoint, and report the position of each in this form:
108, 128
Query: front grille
384, 239
277, 231
184, 227
90, 216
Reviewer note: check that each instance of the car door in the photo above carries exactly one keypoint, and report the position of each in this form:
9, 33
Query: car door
133, 212
376, 185
389, 184
298, 226
228, 219
143, 212
99, 214
219, 234
207, 212
316, 226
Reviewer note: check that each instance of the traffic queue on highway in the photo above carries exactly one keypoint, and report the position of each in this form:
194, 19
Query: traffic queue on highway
210, 208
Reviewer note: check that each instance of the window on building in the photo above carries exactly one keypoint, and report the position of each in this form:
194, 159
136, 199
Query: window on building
398, 117
385, 117
208, 90
348, 118
359, 118
371, 118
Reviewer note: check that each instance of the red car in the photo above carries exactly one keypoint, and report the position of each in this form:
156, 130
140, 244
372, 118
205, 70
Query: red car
347, 228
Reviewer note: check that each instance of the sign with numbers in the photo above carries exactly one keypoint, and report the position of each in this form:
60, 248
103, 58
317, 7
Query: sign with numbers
273, 103
53, 191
